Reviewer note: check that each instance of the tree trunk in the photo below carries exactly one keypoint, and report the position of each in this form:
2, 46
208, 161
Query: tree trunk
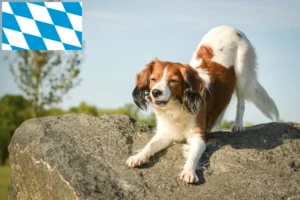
36, 110
36, 106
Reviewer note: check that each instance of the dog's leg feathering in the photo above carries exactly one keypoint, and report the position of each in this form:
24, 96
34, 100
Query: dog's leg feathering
156, 144
196, 148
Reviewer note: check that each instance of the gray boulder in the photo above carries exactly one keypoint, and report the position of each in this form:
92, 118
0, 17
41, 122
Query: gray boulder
77, 156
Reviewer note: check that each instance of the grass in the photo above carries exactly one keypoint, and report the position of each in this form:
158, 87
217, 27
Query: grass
4, 181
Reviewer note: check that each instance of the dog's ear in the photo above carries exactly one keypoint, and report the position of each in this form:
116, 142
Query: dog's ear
194, 90
141, 90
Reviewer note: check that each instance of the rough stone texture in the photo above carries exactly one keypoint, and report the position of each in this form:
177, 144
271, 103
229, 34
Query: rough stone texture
82, 157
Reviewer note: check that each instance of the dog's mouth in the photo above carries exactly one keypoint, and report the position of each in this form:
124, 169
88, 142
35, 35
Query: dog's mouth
160, 103
157, 102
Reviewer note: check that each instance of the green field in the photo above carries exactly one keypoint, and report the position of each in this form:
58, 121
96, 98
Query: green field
4, 181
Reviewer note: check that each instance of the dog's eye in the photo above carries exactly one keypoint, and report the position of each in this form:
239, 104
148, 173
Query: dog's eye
173, 81
153, 79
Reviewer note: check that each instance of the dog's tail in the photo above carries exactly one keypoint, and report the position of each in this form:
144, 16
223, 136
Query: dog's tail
259, 96
247, 82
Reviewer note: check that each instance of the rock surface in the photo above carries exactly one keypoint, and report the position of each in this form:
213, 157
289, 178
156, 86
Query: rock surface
78, 156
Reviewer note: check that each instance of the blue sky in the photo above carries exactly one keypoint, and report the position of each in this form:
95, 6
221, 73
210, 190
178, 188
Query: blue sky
122, 36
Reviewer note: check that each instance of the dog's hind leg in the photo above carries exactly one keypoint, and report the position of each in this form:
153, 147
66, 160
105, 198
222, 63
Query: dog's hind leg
247, 85
245, 70
240, 109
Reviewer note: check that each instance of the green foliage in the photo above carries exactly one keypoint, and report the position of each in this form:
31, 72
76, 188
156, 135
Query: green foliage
85, 108
148, 119
46, 76
103, 111
133, 111
52, 112
14, 110
249, 124
128, 109
226, 124
4, 181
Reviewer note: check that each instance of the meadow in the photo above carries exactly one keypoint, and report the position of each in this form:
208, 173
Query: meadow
4, 181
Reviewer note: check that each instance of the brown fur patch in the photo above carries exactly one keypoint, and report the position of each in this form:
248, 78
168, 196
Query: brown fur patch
205, 53
156, 73
175, 80
194, 79
142, 79
222, 84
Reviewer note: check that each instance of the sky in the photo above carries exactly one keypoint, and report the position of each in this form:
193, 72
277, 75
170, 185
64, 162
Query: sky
122, 36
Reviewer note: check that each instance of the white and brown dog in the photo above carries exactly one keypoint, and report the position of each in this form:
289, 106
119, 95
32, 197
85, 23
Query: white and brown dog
189, 101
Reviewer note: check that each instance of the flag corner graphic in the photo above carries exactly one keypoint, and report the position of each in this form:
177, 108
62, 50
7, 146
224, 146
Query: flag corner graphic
59, 27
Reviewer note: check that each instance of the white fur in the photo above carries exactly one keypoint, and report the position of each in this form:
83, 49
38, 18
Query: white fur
195, 62
173, 121
205, 76
162, 86
232, 50
196, 149
217, 38
175, 124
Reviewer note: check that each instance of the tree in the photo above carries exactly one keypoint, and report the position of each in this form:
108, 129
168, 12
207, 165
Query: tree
14, 110
46, 76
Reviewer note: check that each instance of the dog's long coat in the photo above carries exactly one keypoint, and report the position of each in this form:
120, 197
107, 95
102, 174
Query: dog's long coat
190, 100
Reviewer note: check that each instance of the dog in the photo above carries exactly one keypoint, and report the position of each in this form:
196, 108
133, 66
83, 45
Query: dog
189, 100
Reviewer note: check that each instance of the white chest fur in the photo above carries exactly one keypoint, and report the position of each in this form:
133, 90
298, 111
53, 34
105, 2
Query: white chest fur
174, 122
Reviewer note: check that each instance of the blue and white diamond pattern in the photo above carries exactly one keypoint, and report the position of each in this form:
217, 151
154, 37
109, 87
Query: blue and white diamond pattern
41, 25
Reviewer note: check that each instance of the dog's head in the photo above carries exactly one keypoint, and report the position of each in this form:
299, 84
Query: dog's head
161, 82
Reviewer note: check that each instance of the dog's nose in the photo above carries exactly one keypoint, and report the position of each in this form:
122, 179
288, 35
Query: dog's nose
156, 93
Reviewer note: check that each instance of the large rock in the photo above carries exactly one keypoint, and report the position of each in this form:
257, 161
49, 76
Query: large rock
82, 157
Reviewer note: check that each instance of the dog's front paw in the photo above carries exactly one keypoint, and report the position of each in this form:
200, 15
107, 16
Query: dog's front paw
237, 128
136, 160
189, 176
